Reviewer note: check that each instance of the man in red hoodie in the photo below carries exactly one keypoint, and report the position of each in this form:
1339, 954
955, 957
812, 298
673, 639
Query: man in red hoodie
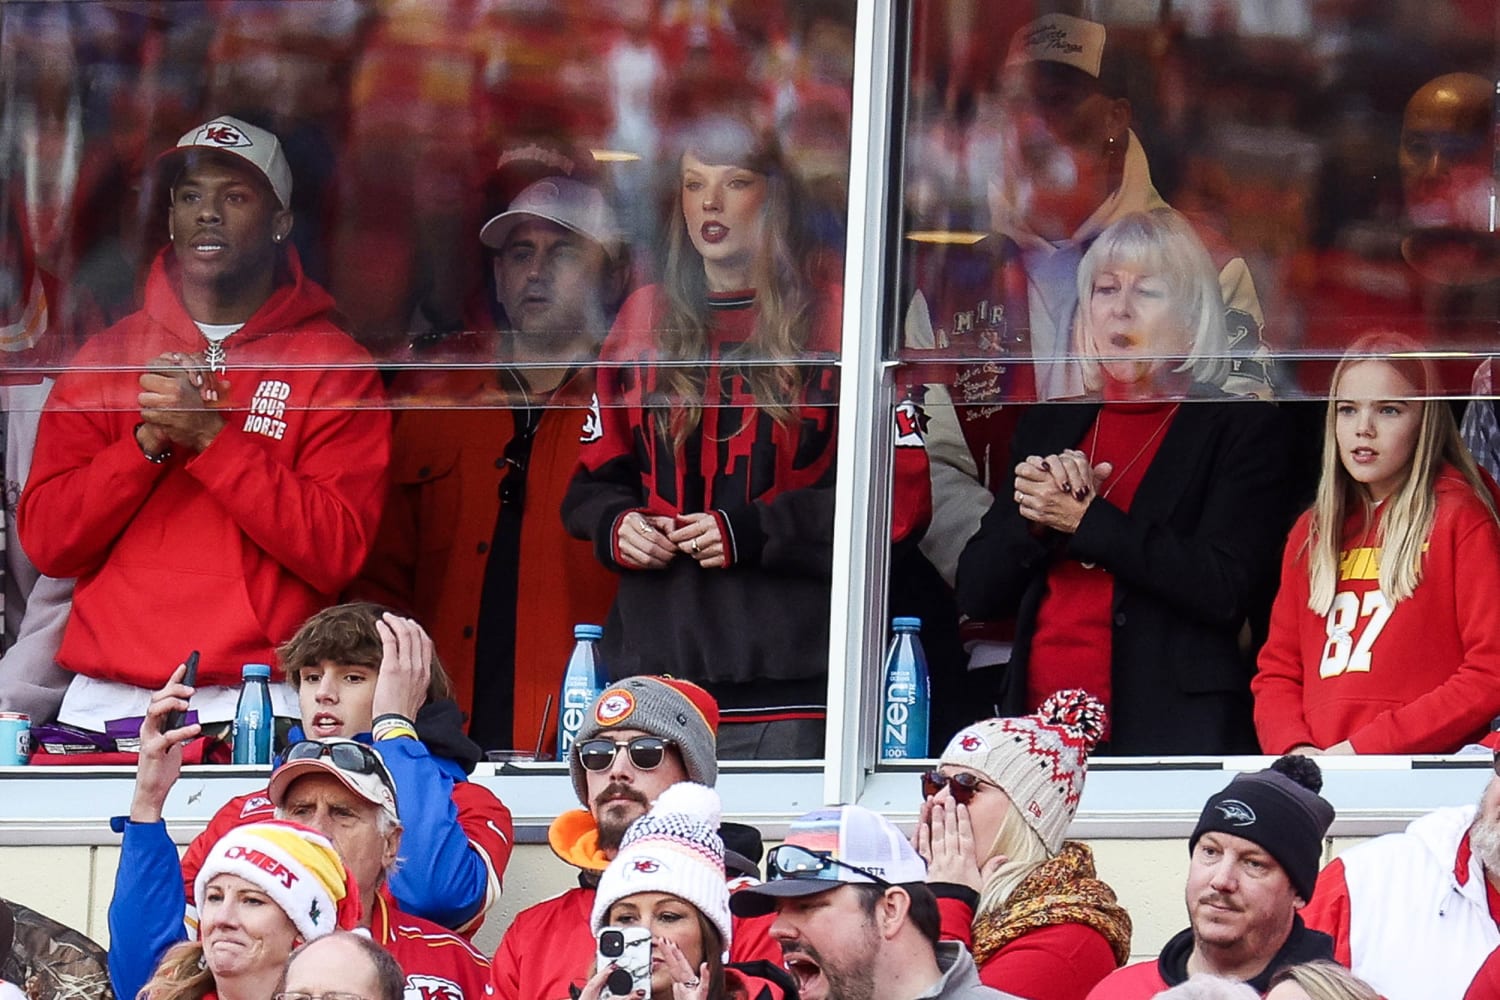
212, 468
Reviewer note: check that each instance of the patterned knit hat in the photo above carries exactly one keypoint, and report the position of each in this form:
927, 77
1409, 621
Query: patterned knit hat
675, 849
1039, 760
665, 707
297, 867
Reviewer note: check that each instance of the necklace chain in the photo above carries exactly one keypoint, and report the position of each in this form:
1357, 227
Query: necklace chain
1119, 474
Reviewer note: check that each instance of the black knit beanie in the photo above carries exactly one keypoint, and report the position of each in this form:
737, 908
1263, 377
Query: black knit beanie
1278, 809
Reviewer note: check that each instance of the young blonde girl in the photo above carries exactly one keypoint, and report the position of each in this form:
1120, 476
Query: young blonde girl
1374, 645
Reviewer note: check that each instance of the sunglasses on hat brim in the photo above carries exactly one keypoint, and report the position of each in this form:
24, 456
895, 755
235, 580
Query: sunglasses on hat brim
355, 758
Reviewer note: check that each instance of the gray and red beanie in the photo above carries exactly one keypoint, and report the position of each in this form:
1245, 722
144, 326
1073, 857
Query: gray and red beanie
665, 707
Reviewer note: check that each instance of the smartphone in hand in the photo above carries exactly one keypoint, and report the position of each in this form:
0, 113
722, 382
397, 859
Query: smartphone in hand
630, 949
175, 717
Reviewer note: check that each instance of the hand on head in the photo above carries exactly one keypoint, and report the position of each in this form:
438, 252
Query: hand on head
405, 667
687, 983
945, 839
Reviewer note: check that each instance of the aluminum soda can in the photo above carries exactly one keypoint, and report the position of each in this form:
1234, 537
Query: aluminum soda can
15, 739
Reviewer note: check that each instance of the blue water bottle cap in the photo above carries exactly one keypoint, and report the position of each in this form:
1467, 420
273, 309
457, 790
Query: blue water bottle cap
252, 671
588, 632
906, 624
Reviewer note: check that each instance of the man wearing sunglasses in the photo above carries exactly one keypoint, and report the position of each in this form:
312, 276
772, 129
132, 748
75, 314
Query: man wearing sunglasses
365, 673
1432, 890
639, 738
855, 919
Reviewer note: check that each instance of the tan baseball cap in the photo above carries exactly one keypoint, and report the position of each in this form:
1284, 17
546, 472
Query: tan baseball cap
1060, 38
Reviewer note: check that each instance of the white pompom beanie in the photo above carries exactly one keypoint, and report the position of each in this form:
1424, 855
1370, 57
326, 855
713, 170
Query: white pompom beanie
675, 849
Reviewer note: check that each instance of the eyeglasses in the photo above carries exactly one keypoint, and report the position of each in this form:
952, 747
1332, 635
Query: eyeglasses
793, 862
963, 786
356, 758
318, 996
646, 752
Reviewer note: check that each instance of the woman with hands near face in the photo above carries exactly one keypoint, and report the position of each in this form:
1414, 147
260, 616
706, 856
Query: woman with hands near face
995, 812
1132, 547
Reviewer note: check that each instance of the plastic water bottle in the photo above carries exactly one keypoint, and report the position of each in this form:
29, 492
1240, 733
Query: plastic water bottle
251, 741
583, 681
904, 694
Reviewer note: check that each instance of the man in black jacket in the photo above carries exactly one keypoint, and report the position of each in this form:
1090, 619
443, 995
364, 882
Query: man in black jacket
1255, 855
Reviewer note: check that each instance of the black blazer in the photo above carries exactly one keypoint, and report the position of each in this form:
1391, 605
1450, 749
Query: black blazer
1195, 565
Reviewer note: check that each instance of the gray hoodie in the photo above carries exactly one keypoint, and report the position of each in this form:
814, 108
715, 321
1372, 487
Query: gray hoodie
960, 980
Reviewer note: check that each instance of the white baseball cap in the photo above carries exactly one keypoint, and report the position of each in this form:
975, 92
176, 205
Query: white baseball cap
1060, 38
829, 848
257, 147
575, 206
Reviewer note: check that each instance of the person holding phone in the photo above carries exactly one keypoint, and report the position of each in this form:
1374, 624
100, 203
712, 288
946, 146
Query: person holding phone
363, 672
668, 880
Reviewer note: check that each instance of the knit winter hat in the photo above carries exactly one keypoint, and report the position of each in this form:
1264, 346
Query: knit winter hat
1039, 760
297, 867
1280, 810
665, 707
674, 848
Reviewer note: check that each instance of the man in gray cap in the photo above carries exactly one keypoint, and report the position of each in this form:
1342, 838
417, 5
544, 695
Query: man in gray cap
471, 543
638, 738
1253, 864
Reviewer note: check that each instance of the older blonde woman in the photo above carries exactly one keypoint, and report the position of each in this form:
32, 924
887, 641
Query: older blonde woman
1141, 532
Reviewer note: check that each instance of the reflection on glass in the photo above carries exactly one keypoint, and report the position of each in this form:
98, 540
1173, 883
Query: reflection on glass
1137, 538
478, 187
707, 481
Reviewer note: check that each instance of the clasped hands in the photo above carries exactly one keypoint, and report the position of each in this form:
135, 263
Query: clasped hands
1053, 492
651, 541
177, 400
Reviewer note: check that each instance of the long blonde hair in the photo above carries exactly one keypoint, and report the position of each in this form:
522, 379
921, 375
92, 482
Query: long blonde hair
1411, 510
1017, 841
182, 974
781, 274
1324, 980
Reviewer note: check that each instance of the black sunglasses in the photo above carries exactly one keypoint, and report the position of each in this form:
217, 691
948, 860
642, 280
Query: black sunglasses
793, 862
646, 752
356, 758
963, 786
